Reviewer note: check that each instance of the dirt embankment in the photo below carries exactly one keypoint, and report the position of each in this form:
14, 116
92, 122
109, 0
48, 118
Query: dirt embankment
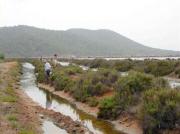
124, 124
82, 106
64, 122
15, 115
19, 114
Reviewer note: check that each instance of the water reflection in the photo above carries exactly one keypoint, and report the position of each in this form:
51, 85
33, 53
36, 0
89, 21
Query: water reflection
50, 101
50, 128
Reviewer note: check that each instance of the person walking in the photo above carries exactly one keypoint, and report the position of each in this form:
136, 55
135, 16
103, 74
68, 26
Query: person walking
48, 70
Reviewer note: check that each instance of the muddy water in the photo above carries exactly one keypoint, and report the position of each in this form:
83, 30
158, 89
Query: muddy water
47, 100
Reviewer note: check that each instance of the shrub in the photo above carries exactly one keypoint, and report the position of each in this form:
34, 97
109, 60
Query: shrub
177, 71
124, 99
97, 89
107, 108
107, 77
129, 93
84, 88
1, 56
41, 77
92, 102
94, 84
159, 82
63, 82
160, 110
72, 70
160, 68
80, 91
123, 66
39, 69
97, 63
134, 82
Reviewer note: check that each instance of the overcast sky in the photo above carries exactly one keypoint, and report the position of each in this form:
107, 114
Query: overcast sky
155, 23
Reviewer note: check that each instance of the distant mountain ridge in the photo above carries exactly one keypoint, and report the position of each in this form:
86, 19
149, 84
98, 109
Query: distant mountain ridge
26, 41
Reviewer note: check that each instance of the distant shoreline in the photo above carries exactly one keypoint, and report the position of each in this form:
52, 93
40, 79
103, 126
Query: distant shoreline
105, 58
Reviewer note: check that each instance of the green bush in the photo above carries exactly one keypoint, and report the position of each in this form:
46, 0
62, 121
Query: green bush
62, 82
97, 89
72, 70
39, 69
107, 77
108, 108
124, 65
159, 82
135, 82
1, 56
160, 110
84, 89
129, 90
95, 83
128, 93
99, 63
160, 68
155, 67
177, 71
80, 91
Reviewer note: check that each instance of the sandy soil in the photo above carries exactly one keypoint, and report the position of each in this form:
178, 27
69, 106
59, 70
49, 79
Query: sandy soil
26, 117
125, 124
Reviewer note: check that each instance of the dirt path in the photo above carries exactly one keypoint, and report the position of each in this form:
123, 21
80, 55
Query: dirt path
16, 116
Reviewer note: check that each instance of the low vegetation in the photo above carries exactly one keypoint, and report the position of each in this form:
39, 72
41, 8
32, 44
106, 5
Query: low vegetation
129, 90
154, 67
1, 56
160, 110
142, 93
94, 84
9, 101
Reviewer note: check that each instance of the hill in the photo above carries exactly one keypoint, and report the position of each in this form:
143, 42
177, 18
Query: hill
26, 41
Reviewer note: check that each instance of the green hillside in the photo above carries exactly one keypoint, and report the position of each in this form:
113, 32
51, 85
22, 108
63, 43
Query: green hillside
25, 41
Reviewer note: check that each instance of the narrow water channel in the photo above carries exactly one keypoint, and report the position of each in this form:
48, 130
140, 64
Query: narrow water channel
50, 128
47, 100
